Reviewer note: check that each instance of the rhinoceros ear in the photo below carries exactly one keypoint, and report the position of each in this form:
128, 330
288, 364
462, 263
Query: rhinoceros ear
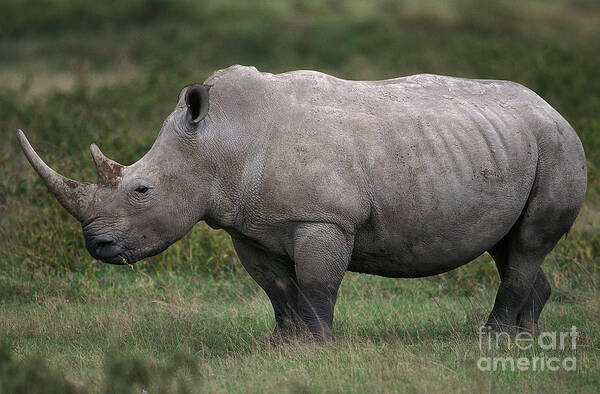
196, 99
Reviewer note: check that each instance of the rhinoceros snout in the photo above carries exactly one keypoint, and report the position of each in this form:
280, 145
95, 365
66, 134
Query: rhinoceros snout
104, 249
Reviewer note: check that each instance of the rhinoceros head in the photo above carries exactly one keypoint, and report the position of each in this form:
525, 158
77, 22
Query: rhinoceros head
136, 211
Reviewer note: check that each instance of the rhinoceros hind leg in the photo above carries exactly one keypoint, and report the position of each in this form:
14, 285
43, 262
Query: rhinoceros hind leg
524, 288
527, 320
516, 283
551, 208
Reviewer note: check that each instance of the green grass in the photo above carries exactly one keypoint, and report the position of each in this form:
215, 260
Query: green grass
191, 319
176, 331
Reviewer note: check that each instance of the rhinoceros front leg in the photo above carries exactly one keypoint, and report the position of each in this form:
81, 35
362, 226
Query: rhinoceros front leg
321, 252
276, 275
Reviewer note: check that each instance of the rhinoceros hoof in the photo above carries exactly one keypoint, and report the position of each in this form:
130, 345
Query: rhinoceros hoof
529, 327
280, 337
500, 328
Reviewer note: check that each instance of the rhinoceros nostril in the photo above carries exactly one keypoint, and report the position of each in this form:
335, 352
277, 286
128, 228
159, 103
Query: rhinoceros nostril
105, 249
100, 243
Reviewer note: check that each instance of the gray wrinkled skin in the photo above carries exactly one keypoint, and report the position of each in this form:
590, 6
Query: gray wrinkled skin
313, 175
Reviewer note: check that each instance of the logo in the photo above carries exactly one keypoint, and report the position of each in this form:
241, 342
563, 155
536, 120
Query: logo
547, 341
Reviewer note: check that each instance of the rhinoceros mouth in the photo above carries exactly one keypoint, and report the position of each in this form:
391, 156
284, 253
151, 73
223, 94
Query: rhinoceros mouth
108, 253
104, 247
115, 260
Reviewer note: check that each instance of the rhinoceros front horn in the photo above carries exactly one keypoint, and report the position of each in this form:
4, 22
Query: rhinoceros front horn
74, 196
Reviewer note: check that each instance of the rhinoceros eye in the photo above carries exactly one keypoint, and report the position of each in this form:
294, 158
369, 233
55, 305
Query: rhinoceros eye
141, 189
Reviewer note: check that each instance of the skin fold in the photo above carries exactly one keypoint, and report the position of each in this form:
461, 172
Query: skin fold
313, 176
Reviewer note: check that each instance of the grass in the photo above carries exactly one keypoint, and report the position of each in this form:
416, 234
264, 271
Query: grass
190, 319
173, 331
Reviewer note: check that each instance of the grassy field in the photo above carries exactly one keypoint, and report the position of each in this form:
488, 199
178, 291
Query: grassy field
190, 319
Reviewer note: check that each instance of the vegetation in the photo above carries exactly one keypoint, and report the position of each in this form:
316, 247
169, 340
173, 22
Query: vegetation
190, 319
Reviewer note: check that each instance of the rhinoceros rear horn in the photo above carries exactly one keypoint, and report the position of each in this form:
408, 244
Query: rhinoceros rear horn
74, 196
109, 171
196, 99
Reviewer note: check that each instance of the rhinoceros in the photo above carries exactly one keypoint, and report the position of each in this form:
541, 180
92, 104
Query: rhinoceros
313, 176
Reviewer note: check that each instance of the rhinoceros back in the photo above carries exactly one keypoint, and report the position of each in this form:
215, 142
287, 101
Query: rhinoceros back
428, 171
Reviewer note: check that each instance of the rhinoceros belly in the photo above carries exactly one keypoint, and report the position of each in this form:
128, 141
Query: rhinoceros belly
445, 188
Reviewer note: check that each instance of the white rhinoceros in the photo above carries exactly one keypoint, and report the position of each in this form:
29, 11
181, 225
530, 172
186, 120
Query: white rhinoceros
314, 176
